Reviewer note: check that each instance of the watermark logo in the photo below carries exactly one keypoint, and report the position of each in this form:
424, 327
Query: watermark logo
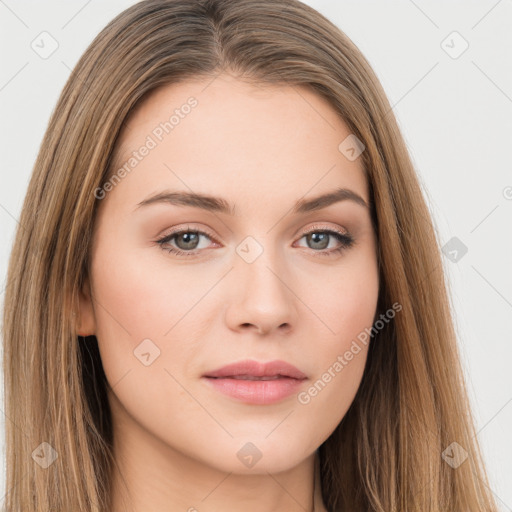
249, 455
351, 147
454, 455
146, 352
45, 455
45, 45
454, 249
454, 45
249, 249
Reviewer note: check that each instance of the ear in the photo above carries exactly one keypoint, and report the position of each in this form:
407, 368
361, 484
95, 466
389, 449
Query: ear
86, 320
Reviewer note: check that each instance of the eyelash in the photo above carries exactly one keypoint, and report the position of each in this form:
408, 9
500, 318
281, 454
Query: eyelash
345, 240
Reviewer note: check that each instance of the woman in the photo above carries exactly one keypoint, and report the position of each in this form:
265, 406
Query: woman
227, 292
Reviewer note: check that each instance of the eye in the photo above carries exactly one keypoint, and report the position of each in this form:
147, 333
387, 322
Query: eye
187, 241
319, 240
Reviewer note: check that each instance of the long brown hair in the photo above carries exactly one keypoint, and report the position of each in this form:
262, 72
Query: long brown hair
387, 454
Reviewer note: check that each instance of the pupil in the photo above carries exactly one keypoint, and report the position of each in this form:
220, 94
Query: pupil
317, 238
189, 244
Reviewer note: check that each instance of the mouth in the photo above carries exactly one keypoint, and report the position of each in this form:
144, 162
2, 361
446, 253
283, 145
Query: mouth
252, 377
250, 369
254, 383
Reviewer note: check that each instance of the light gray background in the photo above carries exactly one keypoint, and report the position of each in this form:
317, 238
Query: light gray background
455, 112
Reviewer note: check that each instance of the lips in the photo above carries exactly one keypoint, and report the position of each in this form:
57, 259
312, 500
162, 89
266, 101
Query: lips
253, 370
256, 383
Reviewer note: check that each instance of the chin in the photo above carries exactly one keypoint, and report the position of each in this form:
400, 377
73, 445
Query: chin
259, 455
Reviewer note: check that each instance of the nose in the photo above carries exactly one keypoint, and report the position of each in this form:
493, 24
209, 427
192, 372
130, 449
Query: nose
262, 299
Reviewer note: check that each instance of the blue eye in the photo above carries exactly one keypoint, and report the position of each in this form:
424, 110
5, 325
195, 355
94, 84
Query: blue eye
321, 237
190, 239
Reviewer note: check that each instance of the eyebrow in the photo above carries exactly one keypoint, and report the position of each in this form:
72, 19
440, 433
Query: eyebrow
220, 205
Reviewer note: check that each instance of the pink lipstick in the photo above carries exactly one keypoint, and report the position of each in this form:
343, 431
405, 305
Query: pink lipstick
257, 383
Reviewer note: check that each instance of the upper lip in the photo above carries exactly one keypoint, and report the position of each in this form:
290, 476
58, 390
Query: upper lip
256, 369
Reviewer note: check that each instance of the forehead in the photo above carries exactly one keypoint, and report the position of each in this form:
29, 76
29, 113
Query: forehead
222, 134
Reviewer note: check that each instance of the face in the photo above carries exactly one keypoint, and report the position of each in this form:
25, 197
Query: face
184, 284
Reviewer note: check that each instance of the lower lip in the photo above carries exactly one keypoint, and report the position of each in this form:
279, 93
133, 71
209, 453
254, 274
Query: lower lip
260, 392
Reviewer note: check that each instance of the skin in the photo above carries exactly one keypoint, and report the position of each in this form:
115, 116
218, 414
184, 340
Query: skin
260, 148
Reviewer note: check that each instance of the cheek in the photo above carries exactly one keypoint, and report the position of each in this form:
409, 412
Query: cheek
136, 300
346, 306
341, 359
325, 401
140, 297
343, 300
